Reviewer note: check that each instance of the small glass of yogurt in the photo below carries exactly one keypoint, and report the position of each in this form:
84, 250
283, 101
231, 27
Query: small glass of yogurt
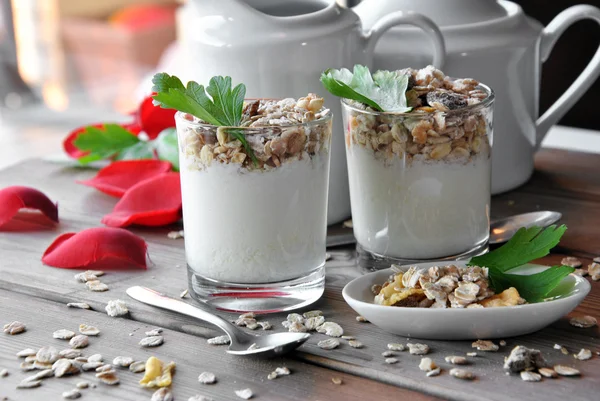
420, 181
255, 204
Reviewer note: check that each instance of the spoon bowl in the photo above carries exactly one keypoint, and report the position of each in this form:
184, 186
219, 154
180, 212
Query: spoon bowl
241, 343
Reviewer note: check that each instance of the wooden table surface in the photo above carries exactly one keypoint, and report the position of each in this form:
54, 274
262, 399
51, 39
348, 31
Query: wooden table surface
35, 294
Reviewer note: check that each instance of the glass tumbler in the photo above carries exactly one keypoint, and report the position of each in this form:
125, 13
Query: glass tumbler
419, 182
254, 213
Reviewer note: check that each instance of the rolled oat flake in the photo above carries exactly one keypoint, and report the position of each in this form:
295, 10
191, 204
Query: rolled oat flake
529, 376
462, 374
3, 372
245, 394
152, 341
63, 334
71, 394
547, 372
207, 378
79, 341
15, 327
330, 343
162, 394
418, 349
29, 384
137, 367
122, 361
583, 322
88, 330
566, 370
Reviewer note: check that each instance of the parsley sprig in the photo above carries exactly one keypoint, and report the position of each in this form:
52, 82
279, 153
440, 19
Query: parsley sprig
526, 245
218, 104
383, 91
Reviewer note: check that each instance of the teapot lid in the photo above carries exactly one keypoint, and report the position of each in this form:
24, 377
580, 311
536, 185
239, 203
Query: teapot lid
442, 12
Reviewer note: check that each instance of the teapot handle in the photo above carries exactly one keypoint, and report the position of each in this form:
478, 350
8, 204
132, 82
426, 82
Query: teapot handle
591, 72
408, 18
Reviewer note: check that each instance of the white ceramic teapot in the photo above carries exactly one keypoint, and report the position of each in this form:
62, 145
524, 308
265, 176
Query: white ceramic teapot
494, 42
279, 49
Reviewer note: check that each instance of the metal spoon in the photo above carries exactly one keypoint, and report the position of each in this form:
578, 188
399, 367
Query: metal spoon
242, 343
501, 230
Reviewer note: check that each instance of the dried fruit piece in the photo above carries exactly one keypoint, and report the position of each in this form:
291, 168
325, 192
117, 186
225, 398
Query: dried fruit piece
329, 343
523, 358
245, 394
122, 361
71, 250
207, 378
485, 345
530, 376
566, 370
88, 330
15, 327
152, 341
157, 374
121, 175
331, 329
79, 341
462, 374
583, 355
15, 198
456, 360
152, 202
583, 322
162, 394
418, 349
116, 308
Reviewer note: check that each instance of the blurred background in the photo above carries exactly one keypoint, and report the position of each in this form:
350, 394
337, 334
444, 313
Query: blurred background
69, 55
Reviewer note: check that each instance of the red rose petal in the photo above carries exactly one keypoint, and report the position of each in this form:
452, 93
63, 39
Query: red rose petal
74, 152
72, 250
153, 119
153, 202
13, 199
116, 178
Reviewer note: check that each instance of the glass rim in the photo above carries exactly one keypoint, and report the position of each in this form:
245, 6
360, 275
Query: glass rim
323, 120
486, 102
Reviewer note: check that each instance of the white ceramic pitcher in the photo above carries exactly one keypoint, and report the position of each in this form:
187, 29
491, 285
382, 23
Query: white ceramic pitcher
279, 49
495, 42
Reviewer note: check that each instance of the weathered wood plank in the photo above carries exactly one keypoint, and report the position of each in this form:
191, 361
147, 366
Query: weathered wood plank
192, 355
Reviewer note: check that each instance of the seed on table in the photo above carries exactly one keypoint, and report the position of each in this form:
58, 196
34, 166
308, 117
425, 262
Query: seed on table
391, 360
434, 372
361, 319
355, 344
547, 372
336, 380
109, 377
396, 347
88, 330
485, 345
71, 394
26, 352
530, 376
154, 332
63, 334
15, 327
246, 393
566, 370
116, 308
29, 384
418, 349
583, 322
220, 340
207, 378
462, 374
571, 261
95, 358
96, 286
122, 361
152, 341
79, 341
47, 355
162, 394
78, 305
3, 372
328, 344
137, 367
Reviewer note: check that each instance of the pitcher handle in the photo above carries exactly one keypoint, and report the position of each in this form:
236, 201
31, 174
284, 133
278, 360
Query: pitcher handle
408, 18
583, 82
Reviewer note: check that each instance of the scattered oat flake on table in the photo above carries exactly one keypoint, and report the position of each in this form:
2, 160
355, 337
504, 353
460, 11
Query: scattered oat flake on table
331, 329
175, 234
530, 376
456, 360
88, 330
42, 374
95, 358
71, 394
462, 374
396, 347
47, 354
348, 224
79, 341
26, 352
583, 355
86, 367
265, 325
85, 276
418, 349
361, 319
63, 334
471, 354
355, 344
64, 367
162, 394
96, 286
184, 293
15, 327
154, 332
390, 361
78, 305
566, 370
295, 317
296, 327
246, 393
328, 344
434, 372
485, 345
108, 377
116, 308
312, 323
3, 372
199, 397
207, 378
152, 341
137, 367
547, 372
571, 261
388, 353
336, 380
104, 368
583, 322
82, 384
29, 384
122, 361
219, 340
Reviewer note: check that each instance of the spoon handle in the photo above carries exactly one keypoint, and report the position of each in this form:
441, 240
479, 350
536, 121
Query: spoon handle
155, 298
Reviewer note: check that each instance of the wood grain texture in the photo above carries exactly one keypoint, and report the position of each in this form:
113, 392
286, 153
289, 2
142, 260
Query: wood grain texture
192, 356
22, 272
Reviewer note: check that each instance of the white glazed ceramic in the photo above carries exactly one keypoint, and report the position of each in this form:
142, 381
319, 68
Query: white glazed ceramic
495, 42
465, 324
280, 48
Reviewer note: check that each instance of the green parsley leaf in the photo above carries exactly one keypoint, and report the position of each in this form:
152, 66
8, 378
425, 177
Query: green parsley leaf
383, 91
526, 245
139, 151
166, 148
104, 142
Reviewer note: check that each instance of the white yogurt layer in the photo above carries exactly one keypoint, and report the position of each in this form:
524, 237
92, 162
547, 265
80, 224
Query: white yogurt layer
418, 210
256, 226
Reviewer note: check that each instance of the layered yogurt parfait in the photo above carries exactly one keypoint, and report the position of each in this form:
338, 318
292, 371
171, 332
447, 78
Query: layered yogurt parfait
419, 169
255, 204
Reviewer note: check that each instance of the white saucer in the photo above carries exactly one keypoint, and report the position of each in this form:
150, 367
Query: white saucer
465, 324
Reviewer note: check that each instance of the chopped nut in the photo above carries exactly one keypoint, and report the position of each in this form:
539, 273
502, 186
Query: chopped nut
245, 394
530, 376
427, 365
391, 361
571, 261
116, 308
583, 355
583, 322
207, 378
329, 343
15, 327
418, 349
331, 329
88, 330
220, 340
79, 341
484, 345
523, 358
547, 372
566, 370
462, 374
456, 360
